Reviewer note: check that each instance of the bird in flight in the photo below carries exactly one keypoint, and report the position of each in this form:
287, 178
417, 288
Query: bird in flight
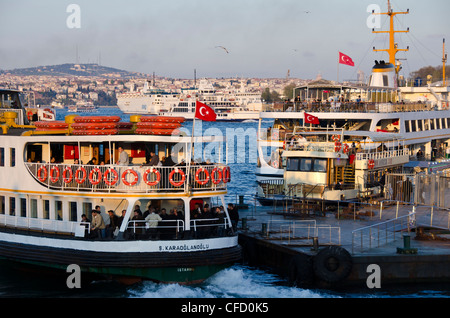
223, 48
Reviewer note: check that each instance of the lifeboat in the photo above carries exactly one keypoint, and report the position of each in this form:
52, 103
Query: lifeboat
46, 125
157, 131
158, 125
95, 132
96, 119
100, 125
163, 119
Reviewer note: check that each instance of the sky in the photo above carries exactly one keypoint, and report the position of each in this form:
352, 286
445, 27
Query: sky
264, 38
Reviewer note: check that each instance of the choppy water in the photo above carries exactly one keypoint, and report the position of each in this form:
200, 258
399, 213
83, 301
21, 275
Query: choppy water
238, 281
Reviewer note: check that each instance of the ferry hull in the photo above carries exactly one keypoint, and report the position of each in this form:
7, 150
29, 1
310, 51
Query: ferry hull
166, 267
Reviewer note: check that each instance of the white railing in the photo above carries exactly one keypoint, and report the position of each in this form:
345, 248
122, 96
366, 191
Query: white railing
382, 154
110, 178
381, 234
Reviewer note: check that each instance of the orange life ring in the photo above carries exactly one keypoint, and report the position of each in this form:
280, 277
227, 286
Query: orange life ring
226, 174
179, 183
65, 178
335, 138
156, 172
197, 178
91, 176
51, 124
84, 174
337, 146
124, 177
54, 179
371, 164
219, 177
39, 174
106, 178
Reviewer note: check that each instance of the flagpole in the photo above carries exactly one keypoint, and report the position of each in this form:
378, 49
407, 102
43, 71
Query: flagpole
338, 68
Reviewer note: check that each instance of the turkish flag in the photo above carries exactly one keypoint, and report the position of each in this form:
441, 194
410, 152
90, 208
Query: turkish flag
204, 112
345, 59
310, 119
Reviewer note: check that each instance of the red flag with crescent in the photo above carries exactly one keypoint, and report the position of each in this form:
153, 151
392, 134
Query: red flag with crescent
310, 119
204, 112
345, 59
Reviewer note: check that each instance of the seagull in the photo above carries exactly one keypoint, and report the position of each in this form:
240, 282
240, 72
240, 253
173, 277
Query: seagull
223, 48
307, 11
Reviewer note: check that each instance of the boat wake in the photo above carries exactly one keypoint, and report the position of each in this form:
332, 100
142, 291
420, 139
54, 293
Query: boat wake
235, 282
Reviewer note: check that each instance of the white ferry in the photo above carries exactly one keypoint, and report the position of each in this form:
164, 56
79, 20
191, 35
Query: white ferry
50, 182
229, 104
382, 110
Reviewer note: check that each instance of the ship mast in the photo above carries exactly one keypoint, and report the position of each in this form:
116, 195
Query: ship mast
444, 61
393, 47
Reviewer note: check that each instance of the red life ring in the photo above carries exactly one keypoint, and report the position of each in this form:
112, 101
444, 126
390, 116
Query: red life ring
371, 164
158, 177
65, 178
197, 179
337, 146
106, 178
78, 180
39, 174
124, 177
219, 177
226, 174
335, 138
54, 179
179, 183
91, 176
346, 148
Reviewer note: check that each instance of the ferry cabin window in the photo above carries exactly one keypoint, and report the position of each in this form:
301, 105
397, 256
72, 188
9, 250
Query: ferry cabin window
87, 209
46, 209
438, 123
413, 125
419, 125
12, 206
2, 157
320, 165
33, 208
448, 122
306, 164
292, 164
58, 210
385, 81
72, 211
23, 207
12, 158
2, 205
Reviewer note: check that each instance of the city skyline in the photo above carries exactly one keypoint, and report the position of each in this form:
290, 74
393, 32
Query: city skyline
251, 38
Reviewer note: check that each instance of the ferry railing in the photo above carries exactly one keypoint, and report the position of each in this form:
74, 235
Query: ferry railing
146, 179
349, 107
382, 233
382, 154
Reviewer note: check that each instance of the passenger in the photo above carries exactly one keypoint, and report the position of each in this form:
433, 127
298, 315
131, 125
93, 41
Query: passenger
93, 161
220, 222
153, 220
97, 225
138, 226
121, 218
86, 222
234, 215
154, 159
168, 162
196, 213
123, 157
137, 209
113, 224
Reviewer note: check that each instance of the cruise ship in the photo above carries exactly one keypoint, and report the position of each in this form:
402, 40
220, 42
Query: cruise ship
230, 104
363, 117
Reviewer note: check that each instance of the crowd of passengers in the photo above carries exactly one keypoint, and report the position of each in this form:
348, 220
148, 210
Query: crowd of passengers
158, 224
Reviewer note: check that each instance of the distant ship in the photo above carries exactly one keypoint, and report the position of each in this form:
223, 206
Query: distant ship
229, 104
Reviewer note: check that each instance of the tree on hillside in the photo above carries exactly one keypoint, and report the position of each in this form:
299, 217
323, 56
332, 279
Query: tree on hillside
436, 72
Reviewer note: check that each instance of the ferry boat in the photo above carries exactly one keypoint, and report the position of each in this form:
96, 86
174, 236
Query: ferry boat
381, 109
50, 182
229, 104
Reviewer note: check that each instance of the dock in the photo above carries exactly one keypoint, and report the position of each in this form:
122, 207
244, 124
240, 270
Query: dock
360, 245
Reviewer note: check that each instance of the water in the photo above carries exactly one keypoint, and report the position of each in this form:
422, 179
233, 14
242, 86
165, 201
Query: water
238, 281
